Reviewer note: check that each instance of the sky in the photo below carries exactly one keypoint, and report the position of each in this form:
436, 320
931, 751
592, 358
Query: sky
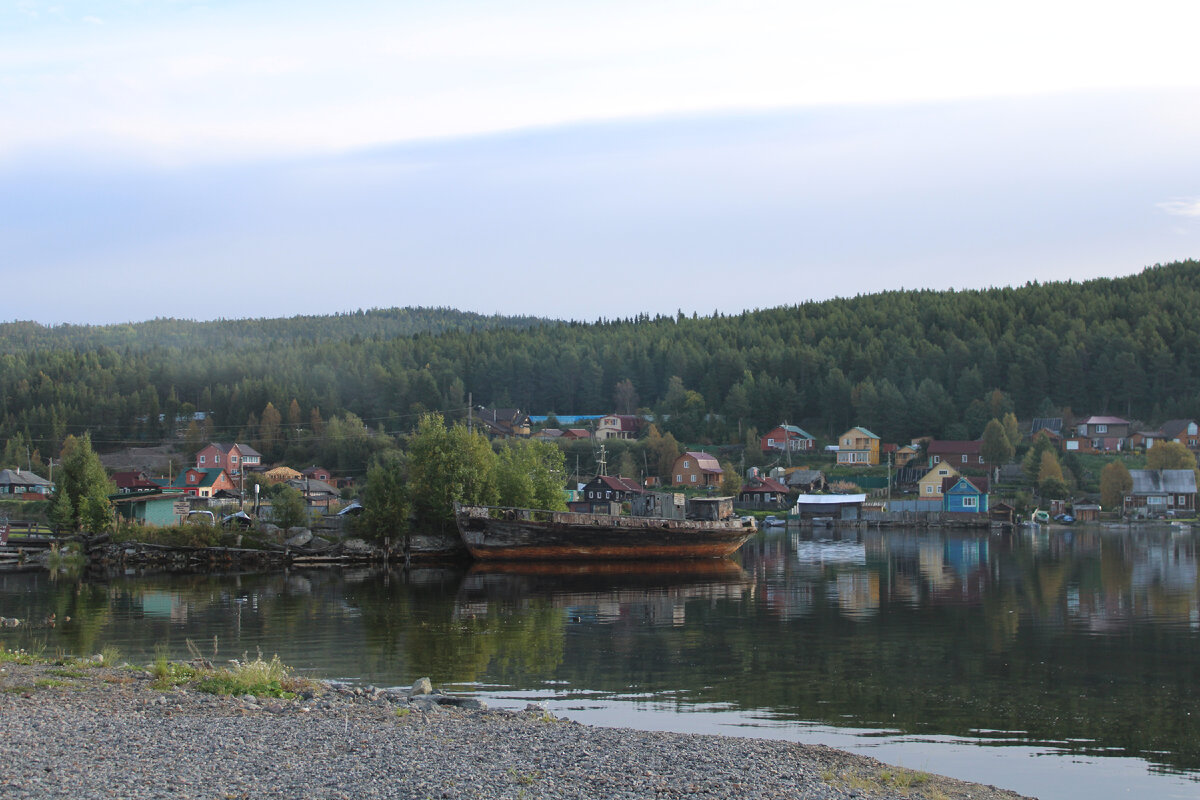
164, 158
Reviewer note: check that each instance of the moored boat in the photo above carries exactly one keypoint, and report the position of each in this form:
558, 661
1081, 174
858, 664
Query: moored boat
496, 533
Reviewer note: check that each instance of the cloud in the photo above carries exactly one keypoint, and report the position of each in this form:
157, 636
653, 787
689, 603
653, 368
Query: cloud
1181, 207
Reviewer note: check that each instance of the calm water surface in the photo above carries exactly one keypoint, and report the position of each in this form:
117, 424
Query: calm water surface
1060, 664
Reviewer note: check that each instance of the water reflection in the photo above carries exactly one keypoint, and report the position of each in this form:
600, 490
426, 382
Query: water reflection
1084, 642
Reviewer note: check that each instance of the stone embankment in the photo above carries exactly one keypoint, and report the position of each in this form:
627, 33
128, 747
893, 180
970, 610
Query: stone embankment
92, 731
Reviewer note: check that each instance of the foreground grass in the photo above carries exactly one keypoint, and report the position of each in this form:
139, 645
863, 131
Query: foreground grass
257, 677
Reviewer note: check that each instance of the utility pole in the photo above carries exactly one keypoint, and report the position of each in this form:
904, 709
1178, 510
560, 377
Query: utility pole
889, 479
470, 406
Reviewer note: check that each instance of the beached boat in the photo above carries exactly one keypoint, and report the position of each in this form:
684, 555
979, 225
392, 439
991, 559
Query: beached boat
495, 533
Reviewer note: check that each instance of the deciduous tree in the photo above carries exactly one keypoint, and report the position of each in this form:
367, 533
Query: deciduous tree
1115, 483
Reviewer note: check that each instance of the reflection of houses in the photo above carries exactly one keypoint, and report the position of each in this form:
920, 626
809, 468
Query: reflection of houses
1159, 492
23, 485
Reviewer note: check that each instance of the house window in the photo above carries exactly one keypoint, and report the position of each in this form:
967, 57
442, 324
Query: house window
1157, 500
202, 459
970, 502
928, 490
233, 459
964, 458
679, 479
217, 458
693, 478
1101, 429
1170, 499
686, 465
608, 495
192, 477
770, 442
591, 495
981, 459
937, 459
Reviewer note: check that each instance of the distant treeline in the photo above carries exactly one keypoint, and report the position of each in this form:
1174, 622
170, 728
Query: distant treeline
901, 363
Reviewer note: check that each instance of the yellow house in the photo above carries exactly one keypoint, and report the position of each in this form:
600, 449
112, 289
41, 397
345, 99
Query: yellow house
930, 486
858, 447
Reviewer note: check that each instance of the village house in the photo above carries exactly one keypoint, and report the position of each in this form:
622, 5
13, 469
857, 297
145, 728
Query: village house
858, 447
697, 469
619, 426
316, 493
1161, 493
317, 474
282, 474
197, 482
575, 434
133, 481
502, 423
1099, 434
787, 439
806, 481
905, 455
231, 457
1184, 431
930, 486
763, 492
159, 508
1051, 426
548, 434
965, 494
959, 453
18, 485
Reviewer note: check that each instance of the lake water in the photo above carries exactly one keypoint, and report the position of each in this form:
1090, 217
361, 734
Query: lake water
1060, 664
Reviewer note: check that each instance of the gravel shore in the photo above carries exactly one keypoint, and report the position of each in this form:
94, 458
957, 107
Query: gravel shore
97, 732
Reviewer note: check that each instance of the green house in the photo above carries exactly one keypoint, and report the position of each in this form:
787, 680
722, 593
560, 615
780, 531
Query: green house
153, 508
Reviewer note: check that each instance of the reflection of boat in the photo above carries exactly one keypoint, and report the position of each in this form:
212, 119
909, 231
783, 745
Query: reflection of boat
527, 534
574, 582
774, 522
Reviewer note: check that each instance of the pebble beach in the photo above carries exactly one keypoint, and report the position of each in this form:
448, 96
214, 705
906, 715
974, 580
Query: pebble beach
103, 732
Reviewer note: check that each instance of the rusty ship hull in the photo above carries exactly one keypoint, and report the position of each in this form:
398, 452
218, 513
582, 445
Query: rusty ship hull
517, 534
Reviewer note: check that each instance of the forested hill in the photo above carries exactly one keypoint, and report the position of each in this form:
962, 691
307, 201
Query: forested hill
376, 323
899, 363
